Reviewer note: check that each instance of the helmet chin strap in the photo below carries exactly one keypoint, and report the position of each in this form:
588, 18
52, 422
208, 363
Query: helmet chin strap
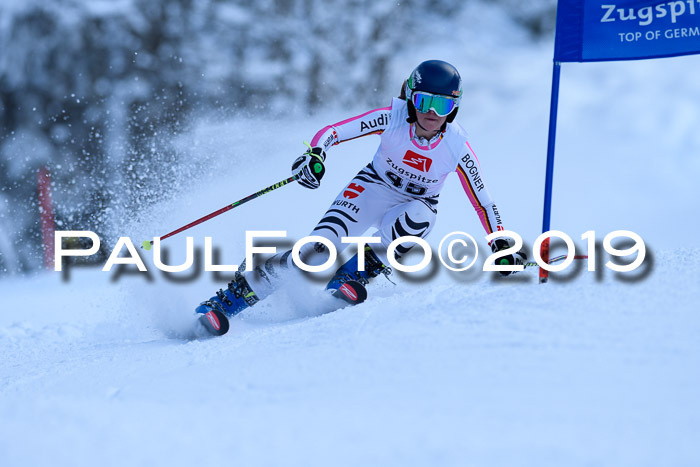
427, 131
421, 126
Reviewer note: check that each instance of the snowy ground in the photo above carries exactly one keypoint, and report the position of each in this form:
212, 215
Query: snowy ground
576, 373
591, 369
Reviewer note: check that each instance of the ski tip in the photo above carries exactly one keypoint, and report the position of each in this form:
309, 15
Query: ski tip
352, 292
146, 245
215, 322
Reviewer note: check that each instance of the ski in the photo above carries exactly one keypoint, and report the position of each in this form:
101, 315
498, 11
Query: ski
351, 292
215, 322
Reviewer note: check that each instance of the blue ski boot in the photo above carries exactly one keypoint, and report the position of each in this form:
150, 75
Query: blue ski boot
226, 304
348, 277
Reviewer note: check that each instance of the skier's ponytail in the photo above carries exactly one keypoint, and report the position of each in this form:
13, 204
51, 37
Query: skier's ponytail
402, 94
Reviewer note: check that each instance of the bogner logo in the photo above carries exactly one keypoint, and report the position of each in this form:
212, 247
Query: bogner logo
417, 161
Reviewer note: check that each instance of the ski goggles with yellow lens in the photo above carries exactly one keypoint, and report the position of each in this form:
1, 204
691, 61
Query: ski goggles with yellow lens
424, 102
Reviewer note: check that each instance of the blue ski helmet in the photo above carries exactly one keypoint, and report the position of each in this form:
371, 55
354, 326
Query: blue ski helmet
434, 77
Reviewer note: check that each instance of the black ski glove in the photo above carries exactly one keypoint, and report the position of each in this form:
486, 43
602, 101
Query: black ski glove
508, 260
310, 167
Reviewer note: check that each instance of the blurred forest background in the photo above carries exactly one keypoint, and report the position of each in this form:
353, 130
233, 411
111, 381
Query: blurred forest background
98, 91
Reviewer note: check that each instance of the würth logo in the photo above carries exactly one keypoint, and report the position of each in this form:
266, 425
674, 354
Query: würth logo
417, 161
353, 191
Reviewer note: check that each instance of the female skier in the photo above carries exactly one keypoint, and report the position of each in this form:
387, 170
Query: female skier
397, 193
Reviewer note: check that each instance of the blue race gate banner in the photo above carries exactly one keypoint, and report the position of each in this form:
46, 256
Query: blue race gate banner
598, 30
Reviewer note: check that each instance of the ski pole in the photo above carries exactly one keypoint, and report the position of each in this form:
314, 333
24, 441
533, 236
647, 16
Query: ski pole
148, 243
556, 259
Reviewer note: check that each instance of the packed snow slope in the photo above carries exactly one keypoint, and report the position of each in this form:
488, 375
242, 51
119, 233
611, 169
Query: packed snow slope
594, 368
450, 373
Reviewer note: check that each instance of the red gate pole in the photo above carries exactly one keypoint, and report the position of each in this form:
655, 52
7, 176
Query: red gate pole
48, 224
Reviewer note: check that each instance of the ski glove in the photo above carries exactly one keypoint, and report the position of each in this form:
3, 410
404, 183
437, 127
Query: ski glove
310, 167
508, 260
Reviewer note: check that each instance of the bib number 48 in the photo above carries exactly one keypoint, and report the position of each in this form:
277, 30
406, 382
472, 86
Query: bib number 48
410, 188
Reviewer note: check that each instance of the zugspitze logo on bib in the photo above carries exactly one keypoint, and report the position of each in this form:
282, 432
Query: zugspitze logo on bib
417, 161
